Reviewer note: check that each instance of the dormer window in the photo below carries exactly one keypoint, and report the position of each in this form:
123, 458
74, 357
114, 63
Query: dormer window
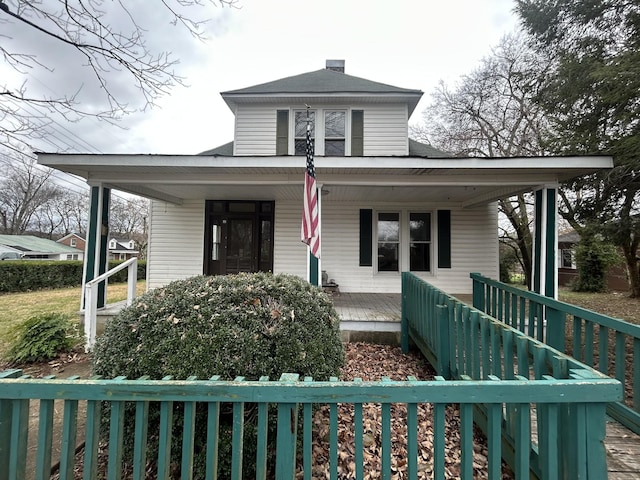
72, 242
338, 133
300, 136
334, 133
112, 245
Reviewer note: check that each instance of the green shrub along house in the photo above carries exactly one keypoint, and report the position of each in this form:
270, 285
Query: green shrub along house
387, 204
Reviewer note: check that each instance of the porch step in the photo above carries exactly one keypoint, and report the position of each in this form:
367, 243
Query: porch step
383, 333
104, 314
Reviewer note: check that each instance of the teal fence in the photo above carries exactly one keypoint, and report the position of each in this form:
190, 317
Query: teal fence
467, 344
577, 400
610, 345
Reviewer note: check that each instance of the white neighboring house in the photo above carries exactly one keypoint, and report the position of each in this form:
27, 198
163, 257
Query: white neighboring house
36, 248
388, 204
122, 249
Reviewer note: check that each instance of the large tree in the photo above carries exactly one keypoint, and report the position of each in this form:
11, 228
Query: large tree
592, 95
107, 40
25, 187
491, 113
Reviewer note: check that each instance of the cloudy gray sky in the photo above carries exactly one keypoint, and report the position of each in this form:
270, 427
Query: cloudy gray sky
406, 43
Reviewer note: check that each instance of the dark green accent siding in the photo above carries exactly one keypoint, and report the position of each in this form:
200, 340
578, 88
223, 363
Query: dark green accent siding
366, 237
282, 132
550, 239
313, 271
444, 238
537, 242
357, 133
91, 234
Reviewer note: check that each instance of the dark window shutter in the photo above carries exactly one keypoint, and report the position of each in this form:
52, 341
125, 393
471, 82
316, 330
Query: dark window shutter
282, 133
366, 237
357, 133
444, 238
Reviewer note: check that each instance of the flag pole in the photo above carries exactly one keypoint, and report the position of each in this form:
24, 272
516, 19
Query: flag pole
310, 232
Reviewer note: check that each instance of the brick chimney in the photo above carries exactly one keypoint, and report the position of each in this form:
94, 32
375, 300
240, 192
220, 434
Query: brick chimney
335, 65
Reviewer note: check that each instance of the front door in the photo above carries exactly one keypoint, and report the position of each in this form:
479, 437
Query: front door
238, 237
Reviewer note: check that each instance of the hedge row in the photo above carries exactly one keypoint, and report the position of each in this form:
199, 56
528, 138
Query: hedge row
30, 275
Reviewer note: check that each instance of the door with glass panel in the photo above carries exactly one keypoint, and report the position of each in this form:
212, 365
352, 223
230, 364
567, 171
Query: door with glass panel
238, 237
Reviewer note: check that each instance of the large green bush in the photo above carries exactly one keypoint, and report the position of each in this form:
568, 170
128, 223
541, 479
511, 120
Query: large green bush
594, 257
239, 325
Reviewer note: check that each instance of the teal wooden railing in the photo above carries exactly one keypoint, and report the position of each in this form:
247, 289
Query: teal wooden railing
467, 344
577, 400
610, 345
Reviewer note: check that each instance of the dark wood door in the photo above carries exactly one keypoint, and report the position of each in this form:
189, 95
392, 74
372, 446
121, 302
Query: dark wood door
238, 237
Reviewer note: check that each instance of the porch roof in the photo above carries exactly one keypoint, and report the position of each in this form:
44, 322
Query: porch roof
453, 181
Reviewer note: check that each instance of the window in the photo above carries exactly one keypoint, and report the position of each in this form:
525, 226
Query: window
388, 242
568, 259
404, 241
72, 242
419, 242
334, 133
300, 132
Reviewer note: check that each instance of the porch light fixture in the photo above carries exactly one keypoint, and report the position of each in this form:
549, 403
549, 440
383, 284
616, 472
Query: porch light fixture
324, 192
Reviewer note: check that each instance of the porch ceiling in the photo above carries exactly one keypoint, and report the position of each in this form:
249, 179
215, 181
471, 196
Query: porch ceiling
455, 181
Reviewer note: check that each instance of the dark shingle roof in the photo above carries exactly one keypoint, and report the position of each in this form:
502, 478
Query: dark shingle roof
416, 149
322, 81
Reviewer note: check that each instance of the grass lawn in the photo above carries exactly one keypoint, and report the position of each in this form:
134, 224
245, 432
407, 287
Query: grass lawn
18, 307
613, 304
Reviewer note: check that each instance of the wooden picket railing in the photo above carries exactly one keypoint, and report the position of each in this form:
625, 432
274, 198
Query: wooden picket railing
579, 398
610, 345
465, 343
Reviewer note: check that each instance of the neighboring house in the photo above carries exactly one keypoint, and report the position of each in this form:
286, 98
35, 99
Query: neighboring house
617, 278
36, 248
119, 248
387, 204
73, 240
122, 249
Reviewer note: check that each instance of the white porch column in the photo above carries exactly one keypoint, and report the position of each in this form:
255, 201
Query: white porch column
545, 241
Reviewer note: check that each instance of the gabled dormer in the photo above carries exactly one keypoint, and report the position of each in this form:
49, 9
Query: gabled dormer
350, 116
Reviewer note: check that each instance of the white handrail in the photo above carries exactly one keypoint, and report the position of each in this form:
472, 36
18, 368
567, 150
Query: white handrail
91, 297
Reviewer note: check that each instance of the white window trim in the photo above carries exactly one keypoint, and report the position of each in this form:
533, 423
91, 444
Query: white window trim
404, 263
318, 139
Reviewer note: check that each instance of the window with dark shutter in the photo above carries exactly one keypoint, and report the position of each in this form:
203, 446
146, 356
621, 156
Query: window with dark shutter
282, 132
357, 133
366, 237
444, 238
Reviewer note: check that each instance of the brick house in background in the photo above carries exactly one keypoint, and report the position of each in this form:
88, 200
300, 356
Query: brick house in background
73, 240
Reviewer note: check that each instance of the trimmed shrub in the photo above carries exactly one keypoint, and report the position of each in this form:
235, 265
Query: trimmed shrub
238, 325
31, 275
42, 338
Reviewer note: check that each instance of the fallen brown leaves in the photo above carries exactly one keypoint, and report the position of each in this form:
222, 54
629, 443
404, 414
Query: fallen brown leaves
371, 363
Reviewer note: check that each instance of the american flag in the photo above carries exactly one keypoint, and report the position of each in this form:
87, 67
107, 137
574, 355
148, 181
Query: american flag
310, 221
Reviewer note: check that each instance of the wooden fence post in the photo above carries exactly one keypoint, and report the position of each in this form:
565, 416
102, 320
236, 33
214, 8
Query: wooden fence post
287, 434
404, 320
442, 339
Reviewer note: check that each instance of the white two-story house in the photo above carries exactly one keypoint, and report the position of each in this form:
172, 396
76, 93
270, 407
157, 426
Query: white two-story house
387, 204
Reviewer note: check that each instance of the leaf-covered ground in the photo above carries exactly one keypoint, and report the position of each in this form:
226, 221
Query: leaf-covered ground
372, 362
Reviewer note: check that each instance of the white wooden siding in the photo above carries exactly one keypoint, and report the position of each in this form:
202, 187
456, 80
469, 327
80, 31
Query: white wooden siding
290, 254
176, 242
177, 232
385, 129
255, 130
474, 248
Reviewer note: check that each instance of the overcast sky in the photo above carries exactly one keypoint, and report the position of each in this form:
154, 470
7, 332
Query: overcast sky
406, 43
